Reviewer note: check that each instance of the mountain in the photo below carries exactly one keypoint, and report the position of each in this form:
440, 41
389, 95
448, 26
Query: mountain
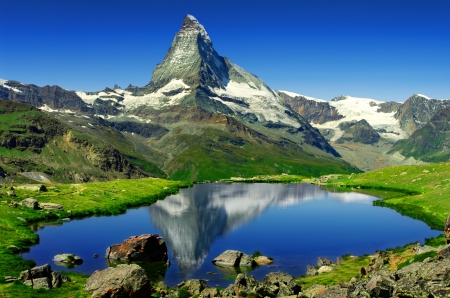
32, 141
362, 130
358, 131
418, 110
201, 117
431, 143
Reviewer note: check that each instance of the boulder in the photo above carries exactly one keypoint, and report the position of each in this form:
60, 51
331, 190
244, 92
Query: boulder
42, 283
36, 272
67, 260
234, 258
51, 206
210, 293
192, 286
30, 203
263, 260
146, 247
33, 187
321, 261
311, 270
277, 284
312, 291
42, 277
324, 269
122, 281
333, 292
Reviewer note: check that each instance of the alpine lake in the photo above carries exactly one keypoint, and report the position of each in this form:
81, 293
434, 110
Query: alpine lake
292, 223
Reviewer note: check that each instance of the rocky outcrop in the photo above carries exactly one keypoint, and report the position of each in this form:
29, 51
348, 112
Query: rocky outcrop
388, 107
418, 110
192, 286
120, 282
358, 131
147, 130
234, 258
42, 277
429, 143
275, 284
146, 247
53, 97
314, 111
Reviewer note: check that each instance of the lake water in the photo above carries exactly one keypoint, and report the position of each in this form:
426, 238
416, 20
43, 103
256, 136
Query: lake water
294, 224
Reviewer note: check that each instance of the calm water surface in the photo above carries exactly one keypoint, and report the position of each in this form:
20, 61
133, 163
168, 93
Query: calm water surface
294, 224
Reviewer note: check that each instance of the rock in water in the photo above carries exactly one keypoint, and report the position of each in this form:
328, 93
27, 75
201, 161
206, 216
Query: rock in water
234, 258
146, 247
122, 281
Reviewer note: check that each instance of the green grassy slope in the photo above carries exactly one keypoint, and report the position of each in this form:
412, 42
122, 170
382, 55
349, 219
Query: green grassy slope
217, 154
425, 190
32, 141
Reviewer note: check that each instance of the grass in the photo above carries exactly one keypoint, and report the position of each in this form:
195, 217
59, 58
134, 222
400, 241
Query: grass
78, 200
208, 159
343, 272
423, 191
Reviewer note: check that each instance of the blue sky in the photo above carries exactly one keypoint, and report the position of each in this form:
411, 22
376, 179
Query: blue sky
387, 50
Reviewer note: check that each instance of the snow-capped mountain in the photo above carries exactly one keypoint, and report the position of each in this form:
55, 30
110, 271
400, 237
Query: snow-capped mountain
201, 117
393, 120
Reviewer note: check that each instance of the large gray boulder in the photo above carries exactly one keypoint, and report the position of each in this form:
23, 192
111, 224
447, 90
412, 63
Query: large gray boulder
42, 277
122, 281
234, 258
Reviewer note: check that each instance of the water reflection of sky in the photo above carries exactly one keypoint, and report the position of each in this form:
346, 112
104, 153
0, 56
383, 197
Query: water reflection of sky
292, 223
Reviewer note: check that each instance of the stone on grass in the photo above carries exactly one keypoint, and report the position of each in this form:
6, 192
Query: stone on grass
30, 203
122, 281
51, 206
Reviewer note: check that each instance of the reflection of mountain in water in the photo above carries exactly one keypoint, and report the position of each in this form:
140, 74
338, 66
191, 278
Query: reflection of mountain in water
191, 220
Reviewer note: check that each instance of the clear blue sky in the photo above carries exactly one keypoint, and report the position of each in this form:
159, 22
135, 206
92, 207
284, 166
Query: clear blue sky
383, 49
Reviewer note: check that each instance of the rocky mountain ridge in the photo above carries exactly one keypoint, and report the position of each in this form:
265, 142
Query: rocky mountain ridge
32, 141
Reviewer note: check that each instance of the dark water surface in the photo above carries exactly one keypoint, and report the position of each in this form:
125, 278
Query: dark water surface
294, 224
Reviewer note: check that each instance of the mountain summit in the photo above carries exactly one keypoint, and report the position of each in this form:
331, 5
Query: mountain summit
191, 58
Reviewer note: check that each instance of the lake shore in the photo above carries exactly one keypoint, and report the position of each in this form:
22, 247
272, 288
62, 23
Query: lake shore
116, 196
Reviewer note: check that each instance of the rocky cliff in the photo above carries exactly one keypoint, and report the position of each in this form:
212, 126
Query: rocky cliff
35, 142
418, 110
313, 111
430, 143
358, 131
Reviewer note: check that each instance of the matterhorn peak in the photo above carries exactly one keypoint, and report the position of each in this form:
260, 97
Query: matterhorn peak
190, 23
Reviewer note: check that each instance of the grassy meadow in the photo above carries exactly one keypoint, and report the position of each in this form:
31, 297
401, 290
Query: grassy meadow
421, 191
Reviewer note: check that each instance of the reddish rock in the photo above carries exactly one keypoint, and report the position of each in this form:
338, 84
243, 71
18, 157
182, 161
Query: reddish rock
146, 247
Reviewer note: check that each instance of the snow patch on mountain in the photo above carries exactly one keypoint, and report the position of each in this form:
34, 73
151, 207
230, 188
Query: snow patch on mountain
356, 108
292, 94
261, 101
